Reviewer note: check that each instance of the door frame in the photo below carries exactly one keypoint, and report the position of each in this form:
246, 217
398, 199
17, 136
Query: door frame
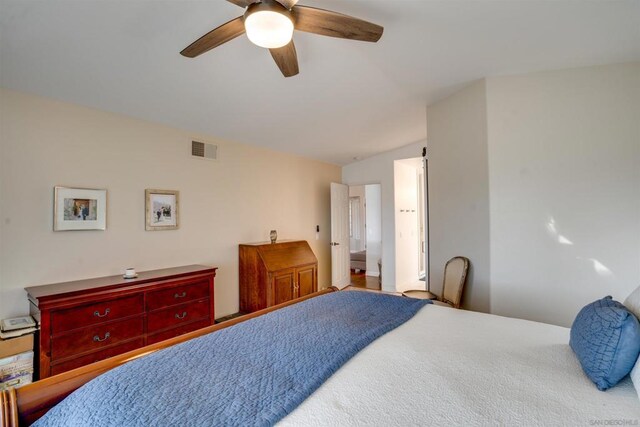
382, 228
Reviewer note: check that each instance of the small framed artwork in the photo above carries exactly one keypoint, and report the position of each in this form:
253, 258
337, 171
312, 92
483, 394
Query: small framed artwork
161, 210
79, 209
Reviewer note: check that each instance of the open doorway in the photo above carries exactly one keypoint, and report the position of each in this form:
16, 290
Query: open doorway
411, 224
365, 236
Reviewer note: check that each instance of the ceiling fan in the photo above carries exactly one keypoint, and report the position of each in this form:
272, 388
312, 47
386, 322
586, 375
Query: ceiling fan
270, 24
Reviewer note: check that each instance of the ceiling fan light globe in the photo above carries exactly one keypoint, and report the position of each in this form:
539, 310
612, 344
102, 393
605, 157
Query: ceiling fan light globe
268, 29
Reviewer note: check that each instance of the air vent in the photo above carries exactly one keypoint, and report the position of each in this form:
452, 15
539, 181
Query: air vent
204, 151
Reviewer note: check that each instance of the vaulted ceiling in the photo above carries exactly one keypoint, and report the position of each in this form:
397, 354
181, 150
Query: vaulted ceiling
351, 99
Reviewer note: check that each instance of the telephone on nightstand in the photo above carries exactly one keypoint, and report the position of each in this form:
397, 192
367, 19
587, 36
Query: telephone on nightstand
16, 326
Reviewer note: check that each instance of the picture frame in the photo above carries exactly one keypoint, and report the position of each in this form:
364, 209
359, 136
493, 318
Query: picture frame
162, 209
77, 209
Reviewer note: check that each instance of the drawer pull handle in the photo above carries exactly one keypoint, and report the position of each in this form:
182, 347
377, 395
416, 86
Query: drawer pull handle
97, 313
184, 314
98, 339
182, 295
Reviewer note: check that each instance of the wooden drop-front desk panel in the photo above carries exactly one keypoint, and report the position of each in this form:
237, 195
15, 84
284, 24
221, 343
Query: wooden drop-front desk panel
84, 321
271, 274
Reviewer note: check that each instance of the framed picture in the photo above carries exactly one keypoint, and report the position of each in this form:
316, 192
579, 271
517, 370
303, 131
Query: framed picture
79, 209
162, 209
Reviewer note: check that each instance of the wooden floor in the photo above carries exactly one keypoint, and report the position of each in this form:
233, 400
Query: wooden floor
230, 317
361, 280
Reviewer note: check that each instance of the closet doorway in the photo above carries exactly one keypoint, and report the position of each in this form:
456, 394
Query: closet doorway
411, 224
365, 236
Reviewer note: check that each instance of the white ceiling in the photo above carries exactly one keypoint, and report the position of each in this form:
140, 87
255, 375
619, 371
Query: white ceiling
351, 99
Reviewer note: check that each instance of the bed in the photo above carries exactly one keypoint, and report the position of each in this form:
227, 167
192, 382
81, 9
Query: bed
359, 260
456, 367
441, 366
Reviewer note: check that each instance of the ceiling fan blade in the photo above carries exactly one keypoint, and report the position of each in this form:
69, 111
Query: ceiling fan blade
333, 24
215, 38
287, 59
287, 3
242, 3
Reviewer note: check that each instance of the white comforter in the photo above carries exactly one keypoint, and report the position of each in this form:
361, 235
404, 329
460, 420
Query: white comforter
455, 367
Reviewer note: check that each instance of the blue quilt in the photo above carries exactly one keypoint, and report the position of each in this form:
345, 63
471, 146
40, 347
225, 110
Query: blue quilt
254, 373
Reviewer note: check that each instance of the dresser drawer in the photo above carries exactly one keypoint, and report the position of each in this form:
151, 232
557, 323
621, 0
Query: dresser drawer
177, 295
80, 317
174, 332
96, 356
95, 337
177, 315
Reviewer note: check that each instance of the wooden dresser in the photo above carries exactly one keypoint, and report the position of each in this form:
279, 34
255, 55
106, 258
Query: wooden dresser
84, 321
271, 274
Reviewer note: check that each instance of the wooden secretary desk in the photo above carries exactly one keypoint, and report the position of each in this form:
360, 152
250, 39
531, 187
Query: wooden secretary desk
85, 321
271, 274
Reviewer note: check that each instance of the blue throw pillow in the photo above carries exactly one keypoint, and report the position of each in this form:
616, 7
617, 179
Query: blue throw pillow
606, 339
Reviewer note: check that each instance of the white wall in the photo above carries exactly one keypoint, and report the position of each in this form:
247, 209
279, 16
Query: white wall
357, 242
374, 228
379, 169
564, 155
407, 237
557, 204
239, 198
459, 191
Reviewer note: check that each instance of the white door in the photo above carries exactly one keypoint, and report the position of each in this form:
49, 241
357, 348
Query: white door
421, 229
340, 274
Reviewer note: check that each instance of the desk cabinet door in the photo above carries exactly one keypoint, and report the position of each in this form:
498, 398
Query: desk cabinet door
283, 286
307, 280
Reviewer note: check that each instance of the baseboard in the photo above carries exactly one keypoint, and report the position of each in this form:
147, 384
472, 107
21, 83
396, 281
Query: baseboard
372, 273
